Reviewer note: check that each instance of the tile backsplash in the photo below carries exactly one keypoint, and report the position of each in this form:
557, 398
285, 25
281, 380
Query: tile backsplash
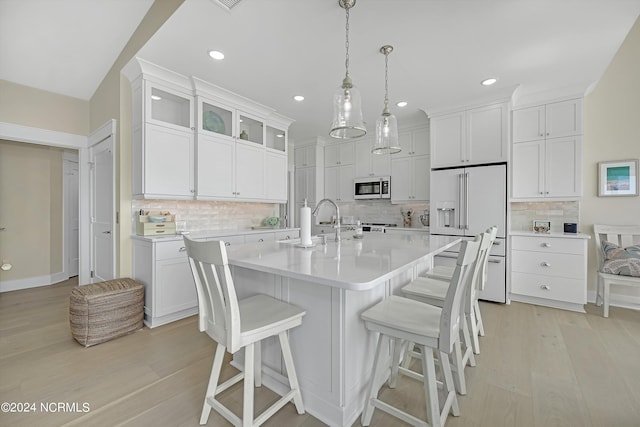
381, 211
524, 213
196, 215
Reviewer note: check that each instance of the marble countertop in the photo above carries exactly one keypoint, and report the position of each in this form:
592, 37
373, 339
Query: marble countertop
553, 234
353, 264
204, 234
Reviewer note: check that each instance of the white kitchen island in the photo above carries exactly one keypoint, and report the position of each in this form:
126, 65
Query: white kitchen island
334, 283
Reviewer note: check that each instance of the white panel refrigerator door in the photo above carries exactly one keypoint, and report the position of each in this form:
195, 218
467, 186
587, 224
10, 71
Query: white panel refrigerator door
446, 192
487, 199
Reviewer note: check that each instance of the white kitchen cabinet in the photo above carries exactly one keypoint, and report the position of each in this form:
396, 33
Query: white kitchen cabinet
370, 164
216, 162
549, 168
410, 179
552, 120
473, 136
250, 170
167, 167
163, 268
275, 176
233, 170
305, 183
338, 183
162, 140
413, 143
547, 151
549, 270
305, 156
276, 139
342, 153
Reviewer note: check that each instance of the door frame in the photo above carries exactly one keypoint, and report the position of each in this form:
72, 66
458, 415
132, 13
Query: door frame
107, 130
31, 135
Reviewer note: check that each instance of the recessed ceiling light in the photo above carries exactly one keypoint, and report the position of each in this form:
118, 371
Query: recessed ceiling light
280, 135
216, 54
299, 98
488, 82
401, 104
155, 97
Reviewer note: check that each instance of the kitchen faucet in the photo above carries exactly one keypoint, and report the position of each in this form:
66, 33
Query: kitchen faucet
337, 224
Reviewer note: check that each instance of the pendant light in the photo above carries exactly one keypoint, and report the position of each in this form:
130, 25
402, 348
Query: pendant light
347, 103
386, 126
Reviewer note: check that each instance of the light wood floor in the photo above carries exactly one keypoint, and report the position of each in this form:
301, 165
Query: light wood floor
538, 367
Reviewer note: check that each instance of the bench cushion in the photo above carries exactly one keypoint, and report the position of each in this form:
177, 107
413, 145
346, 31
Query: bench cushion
103, 311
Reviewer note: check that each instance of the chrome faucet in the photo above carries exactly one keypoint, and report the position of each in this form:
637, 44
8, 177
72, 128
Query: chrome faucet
337, 224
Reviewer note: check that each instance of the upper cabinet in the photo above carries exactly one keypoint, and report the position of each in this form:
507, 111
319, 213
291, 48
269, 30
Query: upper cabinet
192, 139
472, 136
342, 153
162, 138
368, 163
554, 120
413, 143
547, 151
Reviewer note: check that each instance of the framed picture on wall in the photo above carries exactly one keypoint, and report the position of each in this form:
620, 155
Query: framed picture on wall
618, 178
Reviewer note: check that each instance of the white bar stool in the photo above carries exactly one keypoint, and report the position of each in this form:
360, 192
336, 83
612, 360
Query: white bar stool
434, 292
432, 329
235, 324
474, 317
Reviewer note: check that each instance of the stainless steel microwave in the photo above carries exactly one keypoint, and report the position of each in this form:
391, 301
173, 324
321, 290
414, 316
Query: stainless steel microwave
372, 188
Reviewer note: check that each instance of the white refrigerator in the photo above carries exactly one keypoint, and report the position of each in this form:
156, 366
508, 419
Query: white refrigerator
465, 202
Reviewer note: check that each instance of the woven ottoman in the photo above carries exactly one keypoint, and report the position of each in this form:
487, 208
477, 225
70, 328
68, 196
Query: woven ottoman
103, 311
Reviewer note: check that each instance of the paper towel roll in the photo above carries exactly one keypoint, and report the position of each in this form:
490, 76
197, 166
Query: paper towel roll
305, 225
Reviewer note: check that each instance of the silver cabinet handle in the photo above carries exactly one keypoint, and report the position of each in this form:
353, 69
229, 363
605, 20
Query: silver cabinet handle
260, 240
106, 232
182, 249
546, 245
545, 287
545, 264
227, 244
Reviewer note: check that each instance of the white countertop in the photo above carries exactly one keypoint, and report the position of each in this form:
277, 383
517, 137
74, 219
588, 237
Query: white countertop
205, 234
353, 264
553, 234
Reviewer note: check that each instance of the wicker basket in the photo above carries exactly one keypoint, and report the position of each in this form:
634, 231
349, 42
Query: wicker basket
103, 311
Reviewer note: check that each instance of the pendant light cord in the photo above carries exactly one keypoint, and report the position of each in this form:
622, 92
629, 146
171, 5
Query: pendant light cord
386, 81
346, 44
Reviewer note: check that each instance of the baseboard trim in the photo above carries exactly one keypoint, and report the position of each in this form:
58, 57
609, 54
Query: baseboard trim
32, 282
618, 300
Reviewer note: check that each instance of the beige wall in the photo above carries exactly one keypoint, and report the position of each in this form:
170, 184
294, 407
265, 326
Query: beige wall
612, 132
37, 108
31, 210
112, 99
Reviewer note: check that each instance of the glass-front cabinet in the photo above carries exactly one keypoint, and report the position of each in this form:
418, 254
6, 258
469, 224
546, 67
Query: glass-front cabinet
167, 107
250, 128
276, 139
217, 118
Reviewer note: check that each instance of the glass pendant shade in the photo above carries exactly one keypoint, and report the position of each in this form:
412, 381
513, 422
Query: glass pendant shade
347, 113
386, 135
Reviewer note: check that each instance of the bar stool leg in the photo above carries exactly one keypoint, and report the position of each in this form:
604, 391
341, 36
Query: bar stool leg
367, 413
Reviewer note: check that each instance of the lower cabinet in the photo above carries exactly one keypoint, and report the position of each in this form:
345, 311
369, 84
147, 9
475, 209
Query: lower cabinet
162, 266
549, 270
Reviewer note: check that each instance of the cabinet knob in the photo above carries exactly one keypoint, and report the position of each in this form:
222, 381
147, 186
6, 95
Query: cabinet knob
545, 287
227, 244
546, 192
182, 249
542, 134
545, 264
548, 134
546, 245
260, 240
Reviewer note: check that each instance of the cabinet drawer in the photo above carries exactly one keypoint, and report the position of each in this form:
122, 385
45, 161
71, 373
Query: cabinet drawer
554, 288
229, 240
260, 237
168, 250
548, 244
286, 235
551, 264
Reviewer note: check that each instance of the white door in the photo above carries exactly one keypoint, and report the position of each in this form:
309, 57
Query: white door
486, 199
102, 211
72, 217
446, 195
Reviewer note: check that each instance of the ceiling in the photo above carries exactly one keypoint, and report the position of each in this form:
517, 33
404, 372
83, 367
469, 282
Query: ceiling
276, 49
